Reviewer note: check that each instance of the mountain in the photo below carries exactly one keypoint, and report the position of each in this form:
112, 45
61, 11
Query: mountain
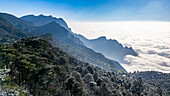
43, 20
36, 68
110, 48
9, 32
58, 32
17, 22
30, 23
75, 47
84, 54
72, 45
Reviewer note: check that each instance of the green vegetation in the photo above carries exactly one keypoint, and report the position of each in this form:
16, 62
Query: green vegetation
155, 79
37, 68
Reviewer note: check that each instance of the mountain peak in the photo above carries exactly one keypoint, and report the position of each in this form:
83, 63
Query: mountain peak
102, 37
41, 15
30, 15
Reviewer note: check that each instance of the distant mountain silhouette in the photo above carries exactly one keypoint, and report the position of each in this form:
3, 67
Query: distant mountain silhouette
9, 32
43, 20
110, 48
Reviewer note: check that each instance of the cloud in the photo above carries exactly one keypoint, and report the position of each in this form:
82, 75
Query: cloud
161, 47
152, 58
149, 39
152, 52
145, 62
163, 53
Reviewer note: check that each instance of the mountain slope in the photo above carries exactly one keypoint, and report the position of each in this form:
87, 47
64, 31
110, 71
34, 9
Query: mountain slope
110, 48
156, 79
85, 54
59, 32
9, 32
39, 69
17, 22
43, 20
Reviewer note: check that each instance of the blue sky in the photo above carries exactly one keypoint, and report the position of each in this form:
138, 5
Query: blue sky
91, 10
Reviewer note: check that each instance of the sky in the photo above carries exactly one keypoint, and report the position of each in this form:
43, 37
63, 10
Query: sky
91, 10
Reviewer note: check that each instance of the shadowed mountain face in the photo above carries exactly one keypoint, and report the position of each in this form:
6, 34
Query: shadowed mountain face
43, 20
110, 48
17, 22
58, 32
9, 32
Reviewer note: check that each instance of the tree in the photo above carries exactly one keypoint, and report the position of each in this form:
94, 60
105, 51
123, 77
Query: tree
89, 69
19, 64
137, 87
74, 87
159, 91
88, 78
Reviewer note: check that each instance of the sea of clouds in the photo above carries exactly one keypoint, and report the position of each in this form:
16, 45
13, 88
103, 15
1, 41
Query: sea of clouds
151, 40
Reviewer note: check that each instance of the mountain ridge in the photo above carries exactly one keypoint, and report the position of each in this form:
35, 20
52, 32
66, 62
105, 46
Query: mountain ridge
59, 32
17, 22
112, 49
41, 20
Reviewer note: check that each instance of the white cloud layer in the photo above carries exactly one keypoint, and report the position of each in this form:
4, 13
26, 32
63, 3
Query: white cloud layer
150, 39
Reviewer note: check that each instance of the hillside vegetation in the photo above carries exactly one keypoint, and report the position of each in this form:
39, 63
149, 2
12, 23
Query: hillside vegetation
39, 69
156, 79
